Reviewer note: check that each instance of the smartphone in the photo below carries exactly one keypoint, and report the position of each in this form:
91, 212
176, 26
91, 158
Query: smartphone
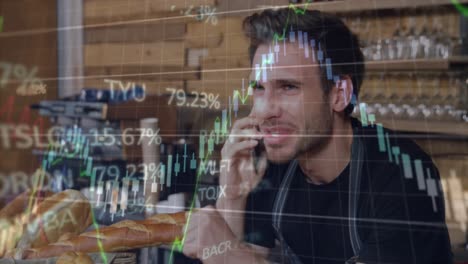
259, 149
258, 152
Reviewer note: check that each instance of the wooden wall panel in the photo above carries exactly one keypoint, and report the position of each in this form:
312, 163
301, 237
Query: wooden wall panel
102, 11
159, 53
207, 35
29, 39
135, 33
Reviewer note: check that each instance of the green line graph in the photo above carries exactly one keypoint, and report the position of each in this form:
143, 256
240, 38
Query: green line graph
98, 237
179, 244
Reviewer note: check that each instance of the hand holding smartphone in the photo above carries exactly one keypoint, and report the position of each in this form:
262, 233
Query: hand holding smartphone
258, 152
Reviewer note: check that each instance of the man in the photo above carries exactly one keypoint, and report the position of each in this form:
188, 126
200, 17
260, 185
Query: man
333, 190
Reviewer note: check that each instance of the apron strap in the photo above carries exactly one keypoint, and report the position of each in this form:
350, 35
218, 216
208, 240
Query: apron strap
288, 256
355, 172
282, 195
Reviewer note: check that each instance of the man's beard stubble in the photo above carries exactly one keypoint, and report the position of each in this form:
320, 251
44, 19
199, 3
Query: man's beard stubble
316, 138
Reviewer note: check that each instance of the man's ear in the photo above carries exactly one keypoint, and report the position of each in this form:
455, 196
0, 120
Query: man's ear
341, 94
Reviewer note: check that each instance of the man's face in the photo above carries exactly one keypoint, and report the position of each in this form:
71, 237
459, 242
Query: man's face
295, 114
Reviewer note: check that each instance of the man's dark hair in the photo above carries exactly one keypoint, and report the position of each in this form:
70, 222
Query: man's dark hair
336, 40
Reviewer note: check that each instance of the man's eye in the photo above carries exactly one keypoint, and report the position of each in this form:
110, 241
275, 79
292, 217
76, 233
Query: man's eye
289, 87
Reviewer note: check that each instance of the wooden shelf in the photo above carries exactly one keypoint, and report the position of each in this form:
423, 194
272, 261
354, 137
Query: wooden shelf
119, 12
366, 5
417, 64
134, 32
155, 72
427, 126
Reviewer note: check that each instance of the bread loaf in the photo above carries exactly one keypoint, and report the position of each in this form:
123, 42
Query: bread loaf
9, 231
13, 215
66, 236
65, 212
74, 258
20, 204
124, 235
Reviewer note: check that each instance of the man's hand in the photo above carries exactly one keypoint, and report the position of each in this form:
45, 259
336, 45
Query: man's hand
208, 237
242, 176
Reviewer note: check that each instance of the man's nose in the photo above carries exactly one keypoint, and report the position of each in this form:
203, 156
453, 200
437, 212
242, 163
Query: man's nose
266, 107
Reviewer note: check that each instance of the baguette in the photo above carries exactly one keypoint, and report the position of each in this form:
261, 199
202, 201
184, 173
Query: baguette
65, 212
20, 203
13, 215
74, 258
9, 231
124, 235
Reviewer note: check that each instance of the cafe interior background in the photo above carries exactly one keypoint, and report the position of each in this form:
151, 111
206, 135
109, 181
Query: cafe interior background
129, 101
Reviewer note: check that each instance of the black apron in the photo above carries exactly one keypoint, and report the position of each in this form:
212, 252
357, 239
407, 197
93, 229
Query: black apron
357, 158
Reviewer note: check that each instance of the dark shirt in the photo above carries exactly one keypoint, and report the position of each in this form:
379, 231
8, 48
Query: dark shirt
398, 220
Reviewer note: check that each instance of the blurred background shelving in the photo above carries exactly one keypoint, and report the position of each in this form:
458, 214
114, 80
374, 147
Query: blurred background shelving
416, 69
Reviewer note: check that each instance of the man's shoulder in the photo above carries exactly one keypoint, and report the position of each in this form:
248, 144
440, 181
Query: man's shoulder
399, 172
